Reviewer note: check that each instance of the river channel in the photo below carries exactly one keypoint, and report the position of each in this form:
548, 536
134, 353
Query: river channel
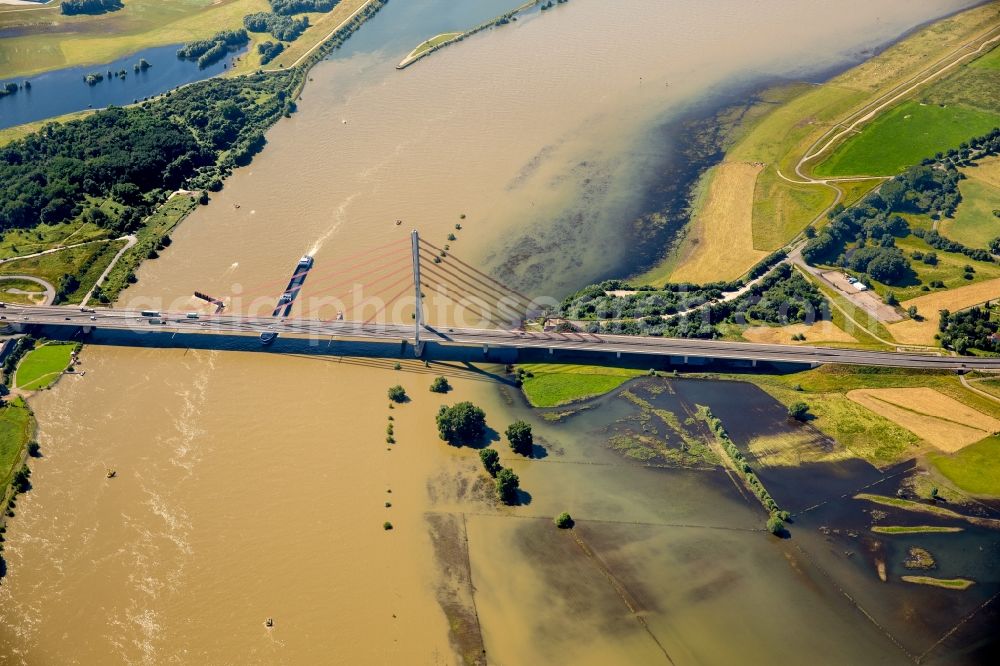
255, 485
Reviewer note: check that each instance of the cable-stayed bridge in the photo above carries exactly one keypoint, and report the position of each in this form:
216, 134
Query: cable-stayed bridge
367, 298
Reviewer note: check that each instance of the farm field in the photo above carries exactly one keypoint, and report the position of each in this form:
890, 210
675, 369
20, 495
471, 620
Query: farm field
933, 417
911, 331
865, 433
903, 136
721, 245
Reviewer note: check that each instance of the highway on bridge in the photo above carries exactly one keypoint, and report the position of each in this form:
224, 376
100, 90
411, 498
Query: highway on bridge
207, 324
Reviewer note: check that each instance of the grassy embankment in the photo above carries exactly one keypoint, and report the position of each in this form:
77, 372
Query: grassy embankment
551, 385
433, 42
779, 139
915, 529
17, 428
86, 262
150, 237
975, 469
442, 40
43, 365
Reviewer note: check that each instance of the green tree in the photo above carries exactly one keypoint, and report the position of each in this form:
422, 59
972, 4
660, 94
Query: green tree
440, 385
491, 460
564, 521
462, 423
798, 411
397, 393
775, 525
507, 485
520, 437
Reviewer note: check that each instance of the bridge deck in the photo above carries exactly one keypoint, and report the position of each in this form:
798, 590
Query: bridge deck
577, 342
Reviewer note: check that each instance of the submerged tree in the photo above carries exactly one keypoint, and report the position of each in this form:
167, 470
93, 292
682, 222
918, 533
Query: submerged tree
462, 423
507, 485
491, 461
520, 437
440, 385
397, 393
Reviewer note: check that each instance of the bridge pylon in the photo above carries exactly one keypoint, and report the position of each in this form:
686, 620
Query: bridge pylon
418, 315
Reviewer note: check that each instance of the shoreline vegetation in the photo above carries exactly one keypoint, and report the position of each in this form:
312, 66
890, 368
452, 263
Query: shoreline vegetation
447, 38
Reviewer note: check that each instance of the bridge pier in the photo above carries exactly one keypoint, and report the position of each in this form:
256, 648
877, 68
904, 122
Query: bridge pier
87, 330
551, 351
753, 363
486, 349
618, 354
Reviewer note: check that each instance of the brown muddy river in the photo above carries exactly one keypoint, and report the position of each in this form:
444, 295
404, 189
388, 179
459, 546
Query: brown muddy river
253, 485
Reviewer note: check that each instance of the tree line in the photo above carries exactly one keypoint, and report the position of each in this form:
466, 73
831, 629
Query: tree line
73, 7
282, 27
209, 51
972, 329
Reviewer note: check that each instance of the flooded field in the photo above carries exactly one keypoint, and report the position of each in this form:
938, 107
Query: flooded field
65, 91
255, 485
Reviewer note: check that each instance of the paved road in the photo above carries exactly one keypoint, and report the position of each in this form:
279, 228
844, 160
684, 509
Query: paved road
132, 240
576, 342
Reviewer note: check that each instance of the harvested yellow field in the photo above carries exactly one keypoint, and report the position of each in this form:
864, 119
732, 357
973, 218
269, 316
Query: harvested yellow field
942, 421
821, 331
796, 448
720, 243
913, 332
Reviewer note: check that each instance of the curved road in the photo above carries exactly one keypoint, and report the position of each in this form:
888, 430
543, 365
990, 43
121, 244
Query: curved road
50, 291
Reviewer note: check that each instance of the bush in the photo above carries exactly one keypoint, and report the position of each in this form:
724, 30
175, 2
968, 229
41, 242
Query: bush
491, 461
520, 437
387, 525
440, 385
462, 423
799, 411
507, 485
397, 393
564, 521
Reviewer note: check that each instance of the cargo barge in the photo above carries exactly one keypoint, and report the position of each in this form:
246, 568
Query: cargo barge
287, 298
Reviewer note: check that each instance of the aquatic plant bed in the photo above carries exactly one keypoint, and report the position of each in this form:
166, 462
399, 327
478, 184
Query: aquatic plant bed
947, 583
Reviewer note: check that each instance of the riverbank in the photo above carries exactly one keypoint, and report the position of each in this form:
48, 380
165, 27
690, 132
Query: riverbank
782, 203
